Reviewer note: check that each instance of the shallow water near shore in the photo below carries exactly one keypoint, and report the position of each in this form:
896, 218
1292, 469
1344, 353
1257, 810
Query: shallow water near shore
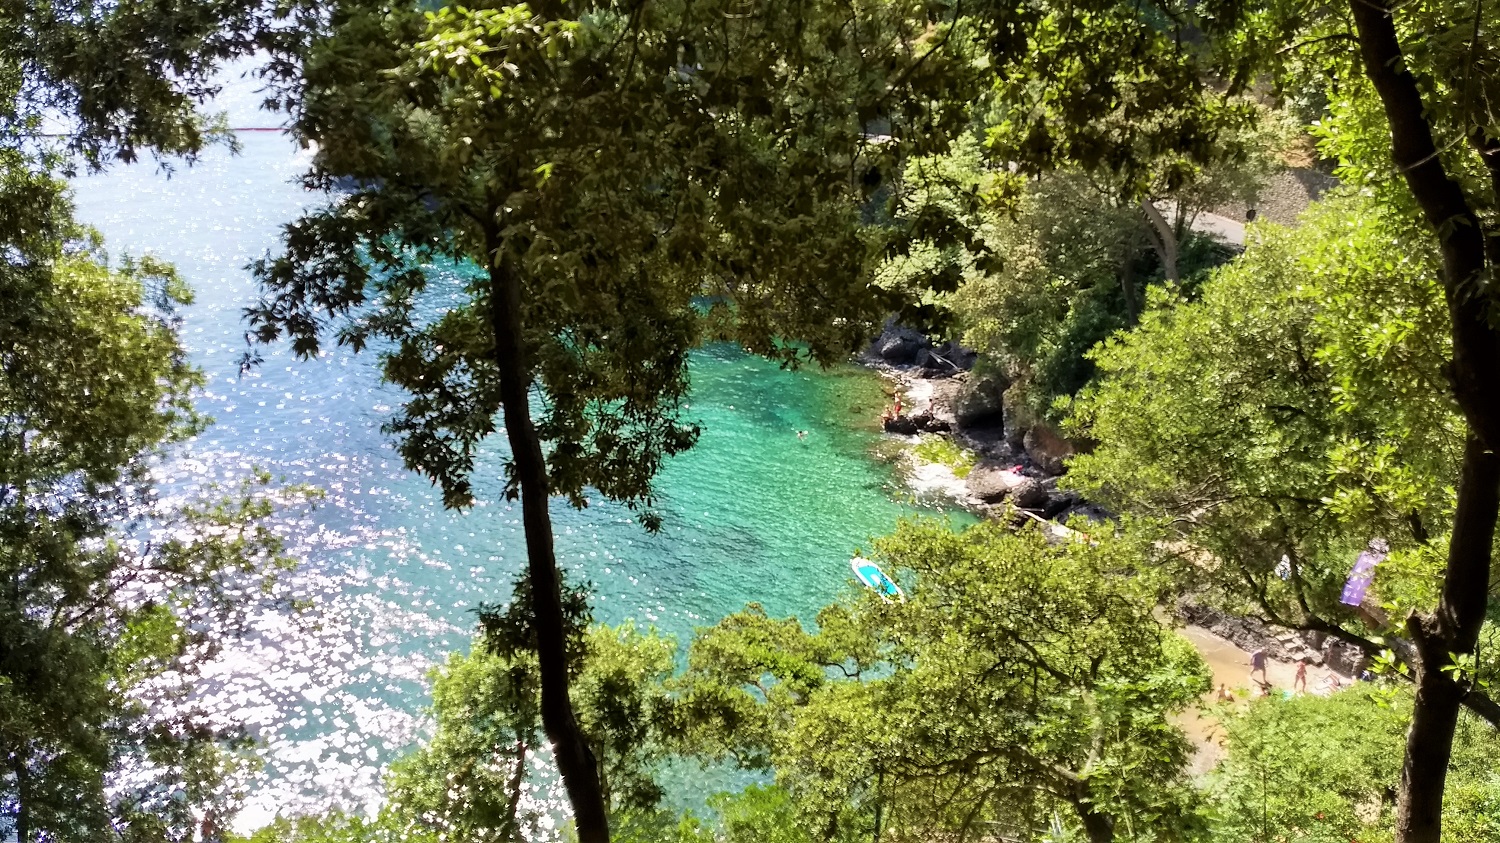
753, 513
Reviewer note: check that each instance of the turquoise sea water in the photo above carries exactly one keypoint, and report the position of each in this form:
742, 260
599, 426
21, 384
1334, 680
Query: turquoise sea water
753, 513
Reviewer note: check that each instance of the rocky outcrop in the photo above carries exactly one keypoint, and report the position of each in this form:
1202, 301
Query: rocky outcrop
946, 360
1030, 494
981, 403
924, 422
993, 484
1047, 448
1286, 645
899, 345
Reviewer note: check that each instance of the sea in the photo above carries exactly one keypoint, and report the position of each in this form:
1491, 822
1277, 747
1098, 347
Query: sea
391, 579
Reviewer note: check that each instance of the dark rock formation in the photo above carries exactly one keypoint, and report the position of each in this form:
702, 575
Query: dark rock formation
1059, 503
982, 402
946, 360
1030, 494
1286, 645
899, 345
903, 425
923, 422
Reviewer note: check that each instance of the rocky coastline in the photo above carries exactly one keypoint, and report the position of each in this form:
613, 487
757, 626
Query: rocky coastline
1011, 471
1011, 468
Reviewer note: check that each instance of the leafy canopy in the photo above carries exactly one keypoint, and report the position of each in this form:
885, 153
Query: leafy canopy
1018, 679
654, 175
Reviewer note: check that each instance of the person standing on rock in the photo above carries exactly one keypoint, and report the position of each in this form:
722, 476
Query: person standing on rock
1300, 683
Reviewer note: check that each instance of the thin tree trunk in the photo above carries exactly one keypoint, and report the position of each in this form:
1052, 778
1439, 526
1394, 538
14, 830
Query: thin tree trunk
1454, 627
510, 829
23, 797
575, 761
1165, 243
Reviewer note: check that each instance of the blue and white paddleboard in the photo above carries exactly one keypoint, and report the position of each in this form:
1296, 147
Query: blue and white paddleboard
870, 574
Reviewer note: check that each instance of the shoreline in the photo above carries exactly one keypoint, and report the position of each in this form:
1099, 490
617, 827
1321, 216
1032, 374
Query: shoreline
1223, 641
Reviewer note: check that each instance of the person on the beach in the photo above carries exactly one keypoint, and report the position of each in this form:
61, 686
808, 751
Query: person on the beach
896, 408
1225, 695
1300, 683
1258, 663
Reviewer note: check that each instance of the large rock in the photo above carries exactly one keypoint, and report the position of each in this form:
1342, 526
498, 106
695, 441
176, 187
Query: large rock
1343, 658
1048, 449
900, 348
899, 345
992, 484
1059, 502
944, 398
982, 402
1030, 494
929, 423
948, 359
904, 425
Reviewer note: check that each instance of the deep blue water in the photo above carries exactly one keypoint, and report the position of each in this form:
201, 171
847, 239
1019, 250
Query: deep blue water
753, 513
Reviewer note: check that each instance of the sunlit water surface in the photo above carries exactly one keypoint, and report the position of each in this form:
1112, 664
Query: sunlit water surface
753, 513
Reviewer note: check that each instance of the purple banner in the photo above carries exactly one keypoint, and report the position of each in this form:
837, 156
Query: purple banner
1364, 571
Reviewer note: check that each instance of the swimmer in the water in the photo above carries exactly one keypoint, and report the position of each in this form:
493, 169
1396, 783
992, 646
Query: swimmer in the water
801, 434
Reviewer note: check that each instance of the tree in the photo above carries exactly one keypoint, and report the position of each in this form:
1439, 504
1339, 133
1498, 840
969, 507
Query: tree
620, 181
476, 779
1035, 275
1325, 769
108, 599
1423, 78
1017, 680
471, 781
1288, 418
1287, 415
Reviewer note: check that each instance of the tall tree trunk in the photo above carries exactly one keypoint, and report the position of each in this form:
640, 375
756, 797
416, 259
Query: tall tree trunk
1099, 827
1165, 242
23, 796
1454, 627
575, 761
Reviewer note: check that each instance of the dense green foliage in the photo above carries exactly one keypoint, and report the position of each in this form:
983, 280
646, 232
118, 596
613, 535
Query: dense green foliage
1034, 281
620, 181
1018, 682
108, 598
1288, 413
1324, 769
